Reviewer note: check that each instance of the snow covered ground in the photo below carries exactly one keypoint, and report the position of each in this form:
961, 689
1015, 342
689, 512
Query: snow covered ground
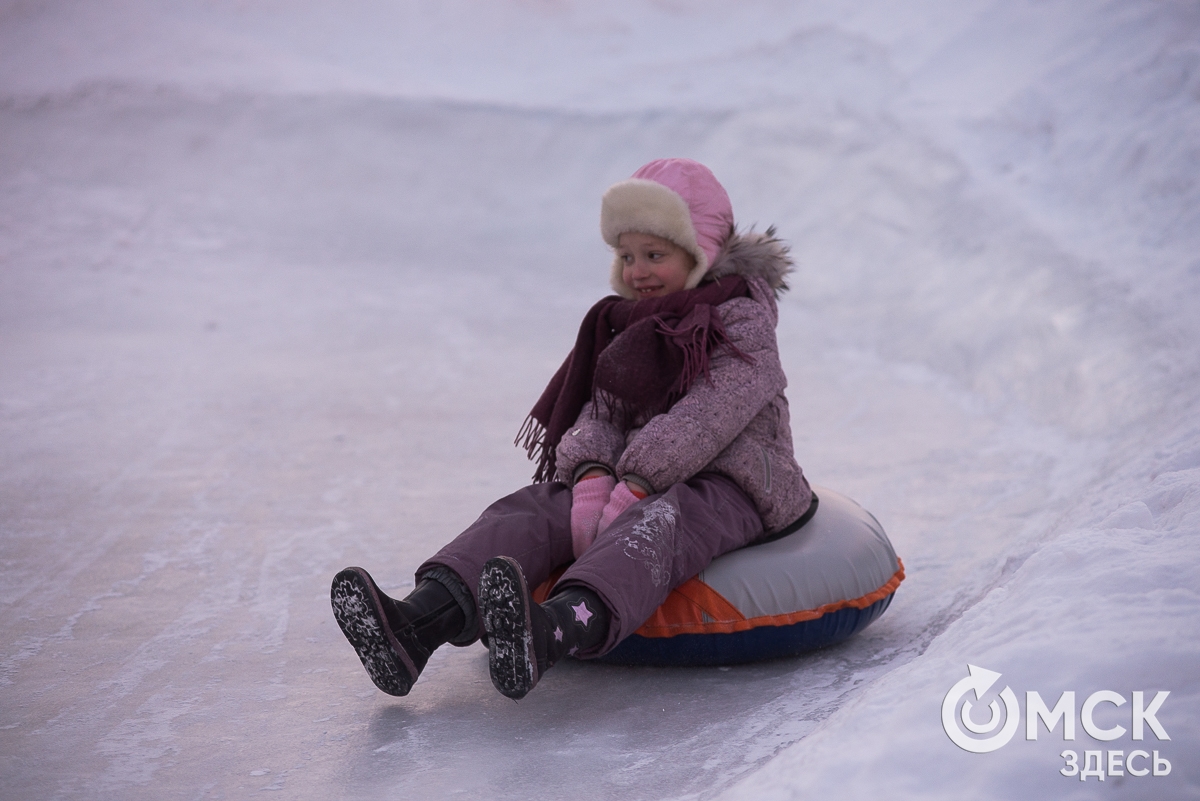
279, 281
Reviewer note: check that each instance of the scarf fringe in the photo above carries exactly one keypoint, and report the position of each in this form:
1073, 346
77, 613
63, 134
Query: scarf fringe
532, 437
610, 407
702, 341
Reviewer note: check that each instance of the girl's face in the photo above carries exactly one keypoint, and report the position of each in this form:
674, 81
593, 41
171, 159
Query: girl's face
653, 266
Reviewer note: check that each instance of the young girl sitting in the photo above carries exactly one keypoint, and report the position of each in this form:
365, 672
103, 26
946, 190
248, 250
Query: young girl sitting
662, 442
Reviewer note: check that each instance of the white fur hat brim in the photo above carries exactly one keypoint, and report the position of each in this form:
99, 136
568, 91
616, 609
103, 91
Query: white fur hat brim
648, 207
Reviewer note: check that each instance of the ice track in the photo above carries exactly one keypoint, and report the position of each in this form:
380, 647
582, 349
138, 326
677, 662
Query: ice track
261, 318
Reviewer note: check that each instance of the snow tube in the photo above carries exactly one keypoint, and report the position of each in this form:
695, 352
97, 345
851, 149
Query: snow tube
816, 585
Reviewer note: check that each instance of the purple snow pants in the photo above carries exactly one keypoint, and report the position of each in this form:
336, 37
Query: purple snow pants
653, 547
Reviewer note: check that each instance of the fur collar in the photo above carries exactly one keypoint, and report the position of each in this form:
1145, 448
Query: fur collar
750, 253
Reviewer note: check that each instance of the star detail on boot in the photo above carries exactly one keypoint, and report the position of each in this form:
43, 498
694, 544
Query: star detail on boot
558, 633
574, 650
582, 613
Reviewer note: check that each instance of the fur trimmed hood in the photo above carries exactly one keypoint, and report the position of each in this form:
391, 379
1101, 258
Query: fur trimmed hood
752, 254
679, 200
749, 253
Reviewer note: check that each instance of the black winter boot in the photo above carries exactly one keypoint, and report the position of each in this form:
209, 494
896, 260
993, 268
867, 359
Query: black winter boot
394, 638
526, 639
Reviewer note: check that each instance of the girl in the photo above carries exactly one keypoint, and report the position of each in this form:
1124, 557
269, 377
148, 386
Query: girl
662, 442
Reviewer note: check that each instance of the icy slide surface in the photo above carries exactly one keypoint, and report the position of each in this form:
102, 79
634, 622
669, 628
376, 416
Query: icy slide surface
278, 285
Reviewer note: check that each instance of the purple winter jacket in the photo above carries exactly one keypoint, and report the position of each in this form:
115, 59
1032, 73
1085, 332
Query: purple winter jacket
736, 423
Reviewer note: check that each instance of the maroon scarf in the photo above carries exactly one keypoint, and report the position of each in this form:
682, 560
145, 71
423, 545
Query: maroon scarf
644, 355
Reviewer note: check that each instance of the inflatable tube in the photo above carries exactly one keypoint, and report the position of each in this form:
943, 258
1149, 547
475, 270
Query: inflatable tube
819, 585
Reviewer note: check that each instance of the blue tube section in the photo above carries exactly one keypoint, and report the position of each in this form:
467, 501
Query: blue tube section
755, 645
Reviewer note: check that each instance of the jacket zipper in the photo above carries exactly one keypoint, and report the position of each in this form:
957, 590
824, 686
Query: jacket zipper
766, 468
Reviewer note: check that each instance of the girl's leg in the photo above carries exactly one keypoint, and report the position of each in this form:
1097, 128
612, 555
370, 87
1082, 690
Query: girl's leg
525, 639
394, 638
531, 526
658, 544
653, 547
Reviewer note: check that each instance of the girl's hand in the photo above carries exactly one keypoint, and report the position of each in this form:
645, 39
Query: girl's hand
624, 496
588, 499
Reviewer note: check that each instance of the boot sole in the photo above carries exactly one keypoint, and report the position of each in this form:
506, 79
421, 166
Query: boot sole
359, 613
504, 603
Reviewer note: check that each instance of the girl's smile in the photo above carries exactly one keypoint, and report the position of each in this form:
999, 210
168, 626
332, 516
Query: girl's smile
653, 266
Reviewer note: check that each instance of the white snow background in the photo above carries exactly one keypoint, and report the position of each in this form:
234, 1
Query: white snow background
279, 282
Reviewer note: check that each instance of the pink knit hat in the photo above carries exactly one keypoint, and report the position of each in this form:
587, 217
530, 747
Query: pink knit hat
677, 199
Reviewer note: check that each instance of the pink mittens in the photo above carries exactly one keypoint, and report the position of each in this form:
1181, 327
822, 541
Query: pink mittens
588, 499
620, 500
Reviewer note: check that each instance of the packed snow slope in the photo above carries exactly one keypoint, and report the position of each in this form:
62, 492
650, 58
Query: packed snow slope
279, 282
